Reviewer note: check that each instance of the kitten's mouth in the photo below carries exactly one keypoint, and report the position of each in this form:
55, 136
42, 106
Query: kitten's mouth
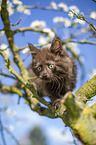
46, 79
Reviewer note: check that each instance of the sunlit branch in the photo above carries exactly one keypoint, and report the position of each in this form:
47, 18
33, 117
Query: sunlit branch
30, 87
46, 8
44, 111
16, 23
10, 38
81, 17
81, 42
38, 45
1, 30
29, 29
88, 90
11, 89
5, 75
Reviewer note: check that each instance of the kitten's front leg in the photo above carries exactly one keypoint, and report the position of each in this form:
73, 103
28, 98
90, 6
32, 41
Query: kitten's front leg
56, 101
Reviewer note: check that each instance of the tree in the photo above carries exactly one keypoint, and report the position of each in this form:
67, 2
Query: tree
74, 110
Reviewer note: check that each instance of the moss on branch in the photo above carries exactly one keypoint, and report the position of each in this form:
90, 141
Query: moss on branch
11, 89
88, 90
10, 38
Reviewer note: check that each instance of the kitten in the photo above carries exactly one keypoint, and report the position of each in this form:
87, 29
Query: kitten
55, 70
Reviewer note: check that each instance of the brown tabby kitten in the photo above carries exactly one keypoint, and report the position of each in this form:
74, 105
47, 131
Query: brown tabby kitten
55, 70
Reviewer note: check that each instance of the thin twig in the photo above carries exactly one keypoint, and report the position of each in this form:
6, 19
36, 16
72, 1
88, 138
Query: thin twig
29, 29
2, 133
5, 75
81, 17
16, 23
82, 42
45, 8
13, 137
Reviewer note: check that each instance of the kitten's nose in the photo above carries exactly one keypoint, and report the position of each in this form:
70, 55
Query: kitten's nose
44, 75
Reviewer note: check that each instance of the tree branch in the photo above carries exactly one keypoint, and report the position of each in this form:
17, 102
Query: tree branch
88, 90
11, 89
9, 76
16, 23
10, 38
46, 8
29, 29
81, 17
2, 133
81, 42
13, 137
30, 87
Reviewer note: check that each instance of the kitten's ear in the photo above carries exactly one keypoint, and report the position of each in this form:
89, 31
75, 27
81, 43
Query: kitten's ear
56, 46
34, 50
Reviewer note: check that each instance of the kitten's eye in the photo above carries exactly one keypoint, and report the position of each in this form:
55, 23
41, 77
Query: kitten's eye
51, 66
39, 68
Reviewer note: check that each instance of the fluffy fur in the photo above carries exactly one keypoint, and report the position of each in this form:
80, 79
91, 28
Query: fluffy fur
55, 70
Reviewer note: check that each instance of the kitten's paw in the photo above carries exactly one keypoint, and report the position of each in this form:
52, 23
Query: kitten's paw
56, 104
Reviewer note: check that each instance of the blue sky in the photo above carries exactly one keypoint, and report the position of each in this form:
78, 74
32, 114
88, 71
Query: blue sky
28, 118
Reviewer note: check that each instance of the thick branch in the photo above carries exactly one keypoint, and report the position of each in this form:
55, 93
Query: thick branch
9, 34
31, 89
81, 119
11, 89
88, 90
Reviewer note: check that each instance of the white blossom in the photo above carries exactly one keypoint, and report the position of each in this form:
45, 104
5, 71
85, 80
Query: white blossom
63, 6
26, 50
11, 127
8, 111
51, 34
83, 30
43, 40
10, 8
5, 48
58, 19
82, 58
79, 21
67, 22
11, 112
74, 8
27, 11
71, 15
93, 73
23, 9
38, 24
20, 8
17, 2
2, 33
73, 47
53, 5
93, 15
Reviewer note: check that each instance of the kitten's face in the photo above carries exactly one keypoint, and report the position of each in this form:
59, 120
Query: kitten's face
46, 62
44, 70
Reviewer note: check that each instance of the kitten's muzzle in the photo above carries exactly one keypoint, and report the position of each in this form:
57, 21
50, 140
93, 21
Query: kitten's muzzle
45, 76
